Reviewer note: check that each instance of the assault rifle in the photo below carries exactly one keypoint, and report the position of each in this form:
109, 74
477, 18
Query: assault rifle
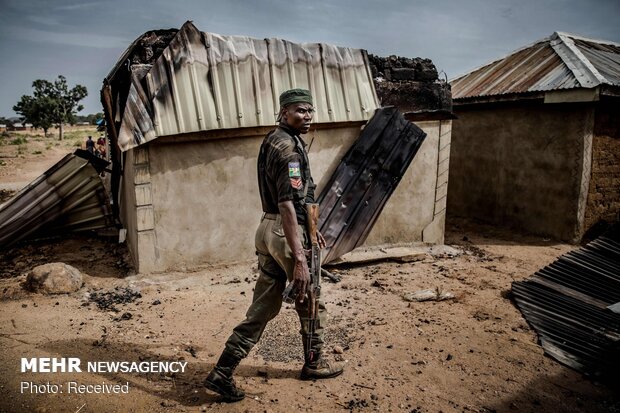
314, 266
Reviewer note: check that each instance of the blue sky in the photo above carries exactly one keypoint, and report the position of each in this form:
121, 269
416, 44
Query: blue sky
82, 40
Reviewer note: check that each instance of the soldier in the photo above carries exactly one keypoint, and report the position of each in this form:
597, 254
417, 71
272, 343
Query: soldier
285, 186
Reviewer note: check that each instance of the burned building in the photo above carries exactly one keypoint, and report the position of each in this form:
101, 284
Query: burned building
187, 111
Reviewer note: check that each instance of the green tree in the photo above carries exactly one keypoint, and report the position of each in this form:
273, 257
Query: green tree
36, 111
94, 117
5, 121
51, 104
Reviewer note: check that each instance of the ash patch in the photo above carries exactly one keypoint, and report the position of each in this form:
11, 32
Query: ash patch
355, 404
107, 300
6, 194
281, 340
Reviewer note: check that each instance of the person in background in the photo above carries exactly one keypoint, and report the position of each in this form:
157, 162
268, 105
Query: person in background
90, 145
101, 147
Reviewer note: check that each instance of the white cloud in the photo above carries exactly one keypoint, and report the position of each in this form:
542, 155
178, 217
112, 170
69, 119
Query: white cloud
77, 6
46, 20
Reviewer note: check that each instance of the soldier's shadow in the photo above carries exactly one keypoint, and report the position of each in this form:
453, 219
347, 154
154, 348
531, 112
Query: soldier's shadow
184, 388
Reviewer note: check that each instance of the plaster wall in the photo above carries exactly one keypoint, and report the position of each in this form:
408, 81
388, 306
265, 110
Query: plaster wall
128, 207
206, 206
522, 165
416, 210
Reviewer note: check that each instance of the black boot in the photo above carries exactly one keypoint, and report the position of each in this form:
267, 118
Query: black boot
220, 379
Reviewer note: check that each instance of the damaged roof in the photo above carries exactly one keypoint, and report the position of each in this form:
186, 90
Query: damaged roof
70, 196
203, 81
574, 306
561, 61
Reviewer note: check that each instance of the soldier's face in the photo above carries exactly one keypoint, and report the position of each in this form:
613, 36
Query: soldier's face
298, 116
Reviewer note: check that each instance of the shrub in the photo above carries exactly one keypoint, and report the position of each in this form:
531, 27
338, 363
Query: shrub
18, 141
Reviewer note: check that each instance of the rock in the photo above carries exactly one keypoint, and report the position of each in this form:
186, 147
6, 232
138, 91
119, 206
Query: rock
338, 350
54, 278
443, 251
428, 295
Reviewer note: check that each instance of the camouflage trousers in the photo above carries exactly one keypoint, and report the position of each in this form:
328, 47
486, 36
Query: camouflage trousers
275, 263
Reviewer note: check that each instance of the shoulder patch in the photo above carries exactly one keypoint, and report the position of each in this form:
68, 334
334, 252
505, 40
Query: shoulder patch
293, 170
296, 183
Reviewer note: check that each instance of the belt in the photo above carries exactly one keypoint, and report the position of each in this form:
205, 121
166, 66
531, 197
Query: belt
268, 215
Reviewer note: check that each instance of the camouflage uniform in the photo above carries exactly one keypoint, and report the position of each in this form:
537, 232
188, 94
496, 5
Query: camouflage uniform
283, 175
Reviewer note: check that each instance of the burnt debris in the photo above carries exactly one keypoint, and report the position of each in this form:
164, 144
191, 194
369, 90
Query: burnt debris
151, 45
106, 300
396, 68
411, 84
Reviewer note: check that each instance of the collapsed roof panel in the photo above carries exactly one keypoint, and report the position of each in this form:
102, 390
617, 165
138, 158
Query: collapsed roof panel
365, 179
570, 305
205, 81
69, 196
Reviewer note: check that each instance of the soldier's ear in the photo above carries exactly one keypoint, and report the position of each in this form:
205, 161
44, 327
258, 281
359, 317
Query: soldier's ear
283, 114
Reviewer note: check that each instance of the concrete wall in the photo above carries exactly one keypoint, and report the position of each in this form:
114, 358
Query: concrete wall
205, 203
522, 165
136, 206
127, 201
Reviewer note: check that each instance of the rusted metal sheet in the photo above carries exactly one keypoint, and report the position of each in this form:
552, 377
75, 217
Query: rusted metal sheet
569, 303
365, 179
204, 81
69, 196
561, 61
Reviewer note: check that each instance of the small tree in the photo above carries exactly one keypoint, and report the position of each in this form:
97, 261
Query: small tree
5, 121
51, 104
36, 111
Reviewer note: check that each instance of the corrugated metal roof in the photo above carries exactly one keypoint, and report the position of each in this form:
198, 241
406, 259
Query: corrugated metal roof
561, 61
365, 179
205, 81
569, 303
69, 196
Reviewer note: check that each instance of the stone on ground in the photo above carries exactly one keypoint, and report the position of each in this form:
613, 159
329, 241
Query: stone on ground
54, 278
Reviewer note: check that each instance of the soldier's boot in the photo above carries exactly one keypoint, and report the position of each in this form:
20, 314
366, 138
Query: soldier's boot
316, 367
220, 379
321, 369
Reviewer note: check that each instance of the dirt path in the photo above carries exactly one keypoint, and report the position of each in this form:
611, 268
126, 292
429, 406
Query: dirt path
26, 155
474, 353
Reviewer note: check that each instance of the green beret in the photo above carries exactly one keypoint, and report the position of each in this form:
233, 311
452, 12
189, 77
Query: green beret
295, 96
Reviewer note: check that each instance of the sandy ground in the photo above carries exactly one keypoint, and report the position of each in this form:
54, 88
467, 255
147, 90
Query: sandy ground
474, 353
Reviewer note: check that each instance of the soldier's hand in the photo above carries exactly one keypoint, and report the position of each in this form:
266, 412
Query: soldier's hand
301, 278
320, 239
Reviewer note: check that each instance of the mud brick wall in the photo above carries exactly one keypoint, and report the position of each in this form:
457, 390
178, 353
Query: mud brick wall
411, 84
603, 205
